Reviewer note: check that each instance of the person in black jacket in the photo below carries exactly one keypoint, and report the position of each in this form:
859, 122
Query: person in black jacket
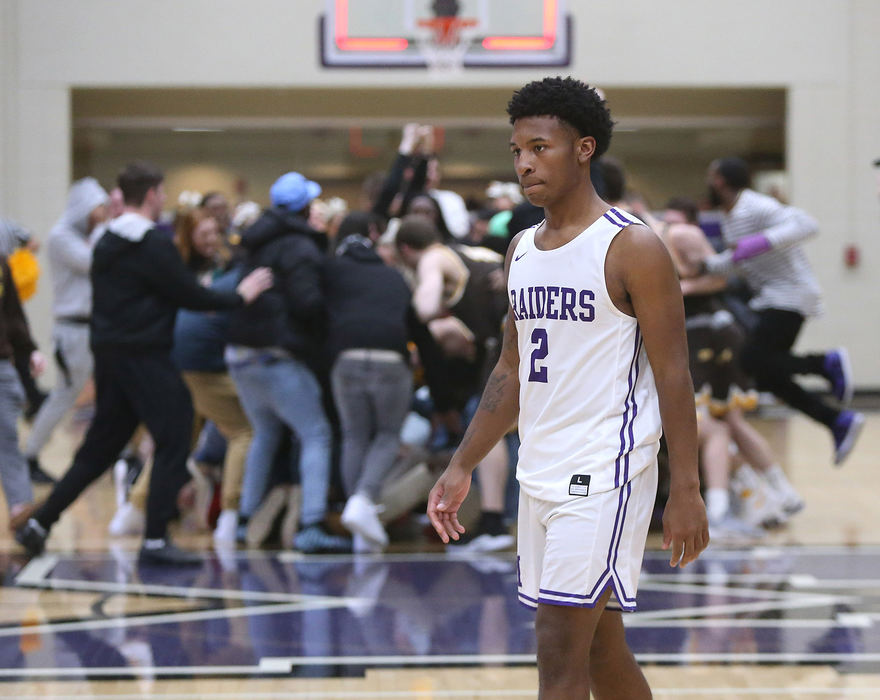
138, 281
274, 347
369, 325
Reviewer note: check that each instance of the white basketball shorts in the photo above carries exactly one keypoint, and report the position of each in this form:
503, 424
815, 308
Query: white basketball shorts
570, 553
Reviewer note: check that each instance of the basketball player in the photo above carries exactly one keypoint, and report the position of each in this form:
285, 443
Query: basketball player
594, 355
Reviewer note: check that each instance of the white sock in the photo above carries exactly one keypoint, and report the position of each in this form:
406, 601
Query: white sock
717, 503
154, 543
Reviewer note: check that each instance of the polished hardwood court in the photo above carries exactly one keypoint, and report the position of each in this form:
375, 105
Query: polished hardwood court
794, 616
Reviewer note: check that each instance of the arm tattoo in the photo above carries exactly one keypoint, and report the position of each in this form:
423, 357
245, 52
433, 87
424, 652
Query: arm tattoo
496, 388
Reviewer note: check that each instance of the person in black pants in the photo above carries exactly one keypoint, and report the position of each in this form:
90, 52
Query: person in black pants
138, 282
764, 240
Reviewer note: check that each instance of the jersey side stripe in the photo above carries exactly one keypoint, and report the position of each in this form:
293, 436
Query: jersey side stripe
629, 403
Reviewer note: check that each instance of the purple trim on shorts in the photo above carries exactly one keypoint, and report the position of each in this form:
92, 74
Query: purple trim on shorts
528, 606
621, 216
526, 600
623, 599
591, 604
589, 595
618, 224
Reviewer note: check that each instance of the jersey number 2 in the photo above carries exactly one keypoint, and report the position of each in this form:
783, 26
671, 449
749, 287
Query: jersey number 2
539, 339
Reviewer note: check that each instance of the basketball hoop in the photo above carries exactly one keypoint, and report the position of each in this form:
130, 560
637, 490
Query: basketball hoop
443, 43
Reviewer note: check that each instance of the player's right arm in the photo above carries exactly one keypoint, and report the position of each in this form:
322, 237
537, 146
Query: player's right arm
497, 412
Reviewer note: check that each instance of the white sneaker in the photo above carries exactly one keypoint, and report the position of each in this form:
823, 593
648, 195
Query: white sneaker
127, 520
730, 530
120, 473
227, 526
360, 516
362, 545
757, 504
482, 543
789, 499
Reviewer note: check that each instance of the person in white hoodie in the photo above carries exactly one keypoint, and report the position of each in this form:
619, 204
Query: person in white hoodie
70, 258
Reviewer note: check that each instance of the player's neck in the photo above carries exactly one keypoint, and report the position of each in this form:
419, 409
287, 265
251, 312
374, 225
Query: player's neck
575, 212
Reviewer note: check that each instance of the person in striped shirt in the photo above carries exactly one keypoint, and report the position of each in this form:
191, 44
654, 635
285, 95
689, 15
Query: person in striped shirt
764, 240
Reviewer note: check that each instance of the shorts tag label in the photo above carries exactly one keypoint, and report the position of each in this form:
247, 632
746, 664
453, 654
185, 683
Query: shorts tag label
579, 485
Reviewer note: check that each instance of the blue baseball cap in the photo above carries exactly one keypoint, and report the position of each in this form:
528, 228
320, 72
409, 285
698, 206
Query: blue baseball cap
293, 191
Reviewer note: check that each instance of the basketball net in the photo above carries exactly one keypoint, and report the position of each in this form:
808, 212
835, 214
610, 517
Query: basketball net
444, 44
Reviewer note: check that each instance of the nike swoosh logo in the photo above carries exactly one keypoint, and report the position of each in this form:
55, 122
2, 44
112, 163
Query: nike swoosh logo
519, 256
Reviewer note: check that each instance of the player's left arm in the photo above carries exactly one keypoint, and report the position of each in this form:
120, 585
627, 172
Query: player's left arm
640, 263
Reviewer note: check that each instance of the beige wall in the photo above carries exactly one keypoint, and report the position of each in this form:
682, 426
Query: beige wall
823, 52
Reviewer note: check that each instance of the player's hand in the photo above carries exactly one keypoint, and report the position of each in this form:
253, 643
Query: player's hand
444, 501
685, 527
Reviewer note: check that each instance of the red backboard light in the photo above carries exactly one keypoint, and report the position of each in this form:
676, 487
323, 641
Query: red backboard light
349, 43
528, 43
482, 34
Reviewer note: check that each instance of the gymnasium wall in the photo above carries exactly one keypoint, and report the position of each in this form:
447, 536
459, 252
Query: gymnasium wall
823, 53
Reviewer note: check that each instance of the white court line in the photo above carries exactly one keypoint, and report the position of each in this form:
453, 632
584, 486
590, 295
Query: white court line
765, 692
837, 583
432, 693
288, 556
735, 591
422, 694
285, 664
733, 608
163, 590
747, 622
171, 618
281, 665
36, 570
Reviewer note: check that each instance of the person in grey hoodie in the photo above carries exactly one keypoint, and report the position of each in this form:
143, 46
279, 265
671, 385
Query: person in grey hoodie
70, 257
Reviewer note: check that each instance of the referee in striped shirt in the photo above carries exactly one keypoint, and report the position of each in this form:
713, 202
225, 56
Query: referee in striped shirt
764, 245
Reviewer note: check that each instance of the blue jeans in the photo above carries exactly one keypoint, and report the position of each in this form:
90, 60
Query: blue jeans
274, 394
14, 476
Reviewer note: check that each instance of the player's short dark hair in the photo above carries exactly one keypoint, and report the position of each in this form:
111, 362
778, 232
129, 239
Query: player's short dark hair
136, 179
735, 172
686, 206
417, 232
569, 100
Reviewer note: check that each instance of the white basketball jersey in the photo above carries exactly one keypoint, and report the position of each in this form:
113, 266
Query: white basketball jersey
589, 418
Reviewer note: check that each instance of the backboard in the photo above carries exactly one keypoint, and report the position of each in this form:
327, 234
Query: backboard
471, 33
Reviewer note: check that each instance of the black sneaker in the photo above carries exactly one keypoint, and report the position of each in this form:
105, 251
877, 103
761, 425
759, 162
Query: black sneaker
32, 536
846, 431
314, 539
169, 555
838, 370
38, 474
